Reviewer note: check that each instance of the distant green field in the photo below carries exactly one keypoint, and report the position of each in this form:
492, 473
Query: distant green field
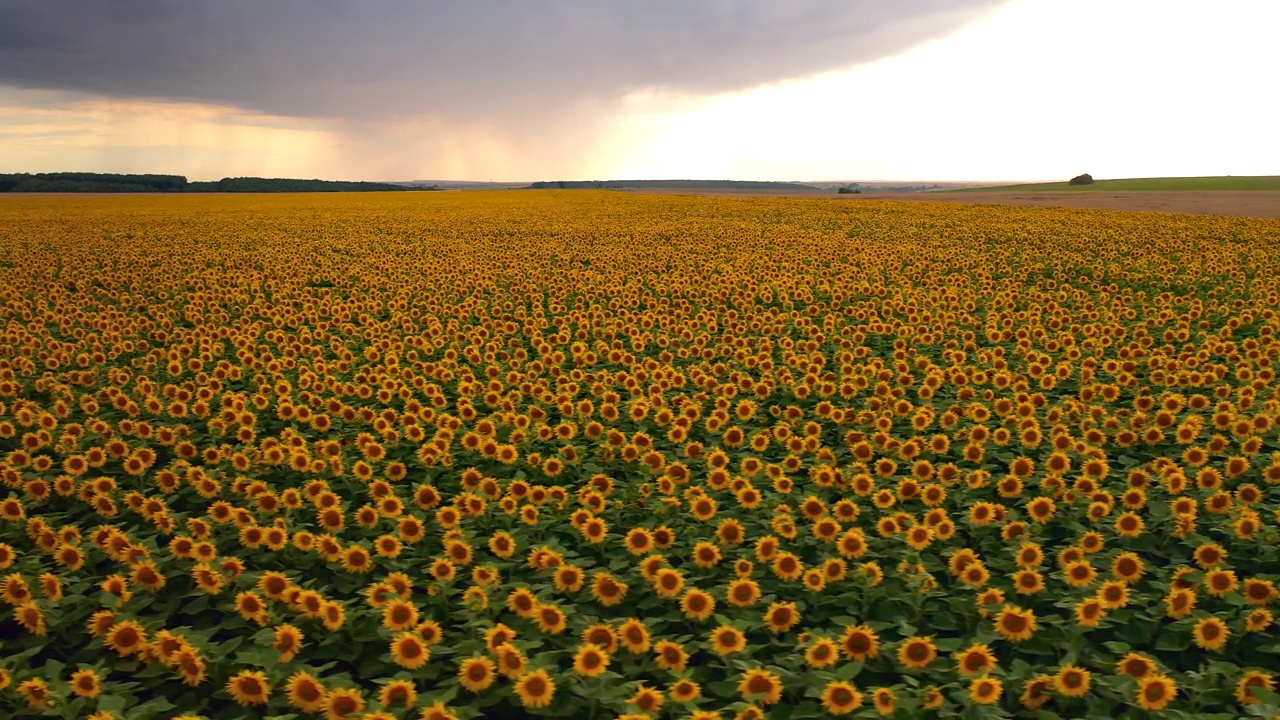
1256, 182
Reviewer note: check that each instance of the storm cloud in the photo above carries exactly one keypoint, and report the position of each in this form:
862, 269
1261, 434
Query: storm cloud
459, 61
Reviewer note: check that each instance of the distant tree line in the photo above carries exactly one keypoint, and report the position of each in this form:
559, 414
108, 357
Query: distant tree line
91, 182
111, 183
267, 185
575, 185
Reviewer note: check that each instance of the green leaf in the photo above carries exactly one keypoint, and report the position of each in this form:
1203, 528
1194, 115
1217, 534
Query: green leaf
849, 671
948, 644
151, 708
1171, 642
112, 704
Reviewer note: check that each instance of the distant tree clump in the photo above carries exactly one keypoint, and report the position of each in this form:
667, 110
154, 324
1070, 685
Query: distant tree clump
109, 183
90, 182
269, 185
849, 191
1085, 179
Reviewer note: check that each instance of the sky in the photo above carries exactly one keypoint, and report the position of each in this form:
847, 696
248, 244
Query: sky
910, 90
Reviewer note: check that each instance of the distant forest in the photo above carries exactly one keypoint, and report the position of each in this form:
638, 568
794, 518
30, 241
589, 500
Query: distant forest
109, 183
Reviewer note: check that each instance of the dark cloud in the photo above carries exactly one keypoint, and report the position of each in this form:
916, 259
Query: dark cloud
493, 59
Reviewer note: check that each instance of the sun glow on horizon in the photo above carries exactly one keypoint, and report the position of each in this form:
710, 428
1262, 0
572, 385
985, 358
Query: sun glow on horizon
1038, 91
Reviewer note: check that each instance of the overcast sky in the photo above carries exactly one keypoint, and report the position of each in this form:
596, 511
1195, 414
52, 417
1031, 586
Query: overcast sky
598, 89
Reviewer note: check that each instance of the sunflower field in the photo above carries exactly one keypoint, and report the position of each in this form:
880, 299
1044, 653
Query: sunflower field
603, 455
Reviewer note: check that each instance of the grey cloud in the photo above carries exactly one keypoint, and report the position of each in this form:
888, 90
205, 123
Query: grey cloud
493, 59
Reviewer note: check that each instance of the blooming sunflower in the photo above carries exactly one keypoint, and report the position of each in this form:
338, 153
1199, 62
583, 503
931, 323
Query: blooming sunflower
409, 651
191, 666
1128, 567
399, 615
726, 640
860, 642
590, 660
1028, 582
251, 607
761, 686
841, 698
1250, 680
1211, 634
523, 602
885, 700
608, 590
1258, 620
916, 653
1136, 665
1015, 624
1080, 574
126, 637
36, 691
1113, 594
1180, 602
1090, 612
1259, 592
1035, 693
477, 673
287, 641
787, 566
697, 604
1219, 583
634, 636
398, 692
1156, 691
249, 687
535, 689
977, 659
822, 652
603, 635
985, 690
684, 691
551, 619
638, 541
648, 700
86, 683
343, 703
1072, 681
781, 617
31, 617
568, 579
743, 593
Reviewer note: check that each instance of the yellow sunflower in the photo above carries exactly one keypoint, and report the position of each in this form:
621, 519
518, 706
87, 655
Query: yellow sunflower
761, 686
985, 690
306, 693
841, 698
249, 687
916, 653
535, 689
476, 673
590, 660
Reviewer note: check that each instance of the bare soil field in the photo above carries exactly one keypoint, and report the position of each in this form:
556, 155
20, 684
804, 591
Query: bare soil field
1243, 203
